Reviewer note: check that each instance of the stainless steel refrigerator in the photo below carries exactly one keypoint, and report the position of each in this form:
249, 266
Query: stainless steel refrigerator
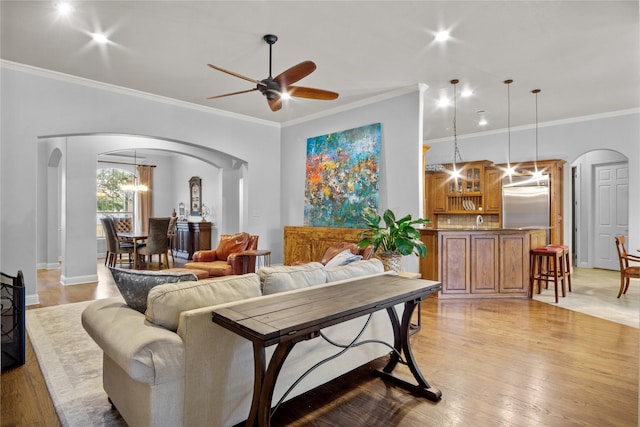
525, 202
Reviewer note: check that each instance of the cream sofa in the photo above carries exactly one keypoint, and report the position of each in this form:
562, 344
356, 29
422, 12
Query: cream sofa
172, 366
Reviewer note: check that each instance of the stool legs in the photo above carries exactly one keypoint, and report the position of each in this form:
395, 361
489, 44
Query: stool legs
548, 264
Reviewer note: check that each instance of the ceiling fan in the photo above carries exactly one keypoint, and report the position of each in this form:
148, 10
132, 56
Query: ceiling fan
273, 88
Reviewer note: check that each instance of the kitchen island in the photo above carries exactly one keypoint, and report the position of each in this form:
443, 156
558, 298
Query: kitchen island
480, 263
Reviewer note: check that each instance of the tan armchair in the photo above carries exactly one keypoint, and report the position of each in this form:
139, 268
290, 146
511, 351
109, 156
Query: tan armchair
227, 258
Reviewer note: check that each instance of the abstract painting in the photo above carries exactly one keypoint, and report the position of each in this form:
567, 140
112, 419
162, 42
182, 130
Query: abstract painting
342, 176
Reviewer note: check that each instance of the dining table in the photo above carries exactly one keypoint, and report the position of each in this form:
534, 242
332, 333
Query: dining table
135, 237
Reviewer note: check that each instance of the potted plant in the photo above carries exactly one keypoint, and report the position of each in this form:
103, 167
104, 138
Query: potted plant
397, 237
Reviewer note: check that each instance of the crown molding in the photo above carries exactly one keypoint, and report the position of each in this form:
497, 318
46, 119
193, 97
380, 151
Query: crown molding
420, 87
68, 78
571, 120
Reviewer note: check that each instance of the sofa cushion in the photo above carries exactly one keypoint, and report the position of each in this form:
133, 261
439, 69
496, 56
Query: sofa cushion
354, 269
134, 285
231, 244
343, 258
282, 278
166, 302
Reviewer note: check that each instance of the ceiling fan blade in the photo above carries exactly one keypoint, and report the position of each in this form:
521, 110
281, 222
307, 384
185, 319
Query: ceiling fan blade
249, 79
311, 93
295, 73
232, 93
275, 104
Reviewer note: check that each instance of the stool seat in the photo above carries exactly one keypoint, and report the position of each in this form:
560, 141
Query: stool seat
547, 264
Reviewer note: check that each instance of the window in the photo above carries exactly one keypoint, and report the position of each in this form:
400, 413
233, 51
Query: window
111, 199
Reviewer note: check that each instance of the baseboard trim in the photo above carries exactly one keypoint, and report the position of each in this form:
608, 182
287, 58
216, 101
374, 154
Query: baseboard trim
78, 280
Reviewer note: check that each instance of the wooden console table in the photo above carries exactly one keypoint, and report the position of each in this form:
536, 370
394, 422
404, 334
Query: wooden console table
287, 320
191, 237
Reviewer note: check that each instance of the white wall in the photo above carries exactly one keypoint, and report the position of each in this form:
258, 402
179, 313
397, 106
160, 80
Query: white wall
401, 150
566, 140
35, 104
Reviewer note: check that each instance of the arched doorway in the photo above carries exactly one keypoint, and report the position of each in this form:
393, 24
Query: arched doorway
76, 167
600, 207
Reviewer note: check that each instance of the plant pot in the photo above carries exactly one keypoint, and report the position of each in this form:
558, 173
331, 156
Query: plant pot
391, 261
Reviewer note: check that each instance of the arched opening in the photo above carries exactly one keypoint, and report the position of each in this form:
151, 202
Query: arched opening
78, 158
600, 207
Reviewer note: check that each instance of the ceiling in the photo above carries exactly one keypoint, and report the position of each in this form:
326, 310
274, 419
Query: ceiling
584, 55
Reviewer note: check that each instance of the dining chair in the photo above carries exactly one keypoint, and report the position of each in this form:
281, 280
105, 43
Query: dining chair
157, 242
171, 234
115, 247
627, 271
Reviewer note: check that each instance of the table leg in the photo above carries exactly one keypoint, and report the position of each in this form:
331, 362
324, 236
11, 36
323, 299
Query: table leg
258, 379
135, 254
401, 343
263, 405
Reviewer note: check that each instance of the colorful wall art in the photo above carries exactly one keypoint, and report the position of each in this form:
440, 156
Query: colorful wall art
342, 176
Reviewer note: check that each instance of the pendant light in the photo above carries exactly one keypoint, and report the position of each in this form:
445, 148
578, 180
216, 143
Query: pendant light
509, 168
136, 186
456, 150
536, 174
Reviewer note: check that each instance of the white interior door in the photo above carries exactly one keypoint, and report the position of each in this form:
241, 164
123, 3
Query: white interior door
611, 211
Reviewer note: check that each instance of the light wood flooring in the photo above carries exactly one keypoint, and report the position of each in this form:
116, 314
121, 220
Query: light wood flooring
497, 362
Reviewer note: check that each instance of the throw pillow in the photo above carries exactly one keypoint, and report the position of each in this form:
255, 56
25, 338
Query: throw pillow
289, 277
134, 285
355, 269
231, 244
343, 258
166, 302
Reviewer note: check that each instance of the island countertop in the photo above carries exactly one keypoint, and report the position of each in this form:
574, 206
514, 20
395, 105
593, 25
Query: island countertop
480, 262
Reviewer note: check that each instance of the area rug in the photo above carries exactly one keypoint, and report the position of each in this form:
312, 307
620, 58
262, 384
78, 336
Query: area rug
71, 364
595, 293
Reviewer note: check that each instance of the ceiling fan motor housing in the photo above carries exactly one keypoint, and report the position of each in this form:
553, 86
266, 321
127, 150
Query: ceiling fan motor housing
271, 89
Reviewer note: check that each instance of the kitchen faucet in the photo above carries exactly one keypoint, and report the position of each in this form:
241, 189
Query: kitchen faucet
479, 220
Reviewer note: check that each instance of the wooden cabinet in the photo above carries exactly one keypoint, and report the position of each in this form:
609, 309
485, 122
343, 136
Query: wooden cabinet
191, 237
305, 244
455, 263
514, 263
438, 194
465, 193
429, 264
479, 191
484, 268
480, 264
492, 190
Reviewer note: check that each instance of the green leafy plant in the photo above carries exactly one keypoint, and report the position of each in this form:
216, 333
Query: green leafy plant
396, 235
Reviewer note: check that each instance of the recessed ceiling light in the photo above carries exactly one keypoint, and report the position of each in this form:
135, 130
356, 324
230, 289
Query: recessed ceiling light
99, 38
442, 36
64, 8
444, 102
466, 92
482, 122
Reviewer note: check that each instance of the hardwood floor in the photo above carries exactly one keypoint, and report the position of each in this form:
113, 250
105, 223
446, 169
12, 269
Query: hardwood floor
497, 362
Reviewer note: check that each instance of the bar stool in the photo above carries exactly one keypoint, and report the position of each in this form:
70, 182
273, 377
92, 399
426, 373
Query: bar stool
566, 265
546, 265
